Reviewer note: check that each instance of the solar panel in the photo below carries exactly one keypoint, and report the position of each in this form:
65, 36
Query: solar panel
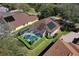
9, 19
51, 25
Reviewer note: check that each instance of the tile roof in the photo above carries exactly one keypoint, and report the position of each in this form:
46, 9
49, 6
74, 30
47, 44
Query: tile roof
64, 46
42, 24
21, 18
58, 49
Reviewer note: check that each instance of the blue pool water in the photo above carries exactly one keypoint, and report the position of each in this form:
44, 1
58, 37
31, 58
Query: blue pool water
33, 38
30, 38
26, 37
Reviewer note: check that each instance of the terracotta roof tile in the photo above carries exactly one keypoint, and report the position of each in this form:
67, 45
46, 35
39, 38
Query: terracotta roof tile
58, 49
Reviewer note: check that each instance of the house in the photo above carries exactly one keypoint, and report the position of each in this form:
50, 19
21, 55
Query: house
17, 20
65, 46
58, 49
46, 26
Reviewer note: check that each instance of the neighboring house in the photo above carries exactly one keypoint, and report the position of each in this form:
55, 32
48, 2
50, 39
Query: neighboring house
58, 49
3, 10
67, 45
46, 26
18, 20
70, 37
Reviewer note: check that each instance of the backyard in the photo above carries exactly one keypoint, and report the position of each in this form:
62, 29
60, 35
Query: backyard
42, 45
30, 37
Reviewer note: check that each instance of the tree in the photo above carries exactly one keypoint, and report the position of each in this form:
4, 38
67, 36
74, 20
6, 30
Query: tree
9, 46
68, 12
10, 6
25, 8
46, 10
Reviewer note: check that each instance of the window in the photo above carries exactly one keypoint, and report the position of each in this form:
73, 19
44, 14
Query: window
51, 25
9, 19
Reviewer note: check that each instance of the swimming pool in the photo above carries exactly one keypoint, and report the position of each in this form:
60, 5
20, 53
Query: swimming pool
30, 38
30, 35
